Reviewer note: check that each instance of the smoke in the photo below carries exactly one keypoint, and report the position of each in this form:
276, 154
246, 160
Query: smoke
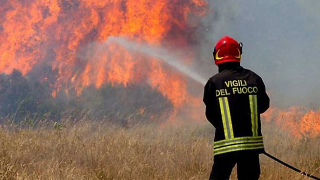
281, 43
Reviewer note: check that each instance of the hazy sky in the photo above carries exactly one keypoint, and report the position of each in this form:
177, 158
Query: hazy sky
281, 43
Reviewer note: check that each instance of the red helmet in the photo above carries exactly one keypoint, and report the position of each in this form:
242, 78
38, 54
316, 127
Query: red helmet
227, 50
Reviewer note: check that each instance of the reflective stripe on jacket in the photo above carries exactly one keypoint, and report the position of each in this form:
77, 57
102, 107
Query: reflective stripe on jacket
234, 100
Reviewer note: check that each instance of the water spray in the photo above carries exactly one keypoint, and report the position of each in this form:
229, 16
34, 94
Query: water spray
161, 54
172, 60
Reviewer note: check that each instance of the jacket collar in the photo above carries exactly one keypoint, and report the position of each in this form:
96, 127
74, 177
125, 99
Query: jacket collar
230, 65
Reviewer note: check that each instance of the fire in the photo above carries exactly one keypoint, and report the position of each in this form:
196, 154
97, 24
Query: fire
299, 121
310, 123
68, 36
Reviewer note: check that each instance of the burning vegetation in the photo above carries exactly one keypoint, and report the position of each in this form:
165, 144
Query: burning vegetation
60, 47
56, 61
298, 121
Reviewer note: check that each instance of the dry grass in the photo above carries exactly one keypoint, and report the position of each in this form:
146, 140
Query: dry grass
95, 150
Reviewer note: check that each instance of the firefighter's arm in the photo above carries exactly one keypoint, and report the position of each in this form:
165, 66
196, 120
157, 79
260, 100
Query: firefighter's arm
208, 100
264, 100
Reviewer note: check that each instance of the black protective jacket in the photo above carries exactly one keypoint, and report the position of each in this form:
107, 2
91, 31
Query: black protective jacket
234, 99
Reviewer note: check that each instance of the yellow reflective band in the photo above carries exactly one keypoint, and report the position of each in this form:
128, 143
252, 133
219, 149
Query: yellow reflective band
225, 130
239, 54
226, 118
238, 144
229, 117
239, 147
254, 114
240, 140
217, 55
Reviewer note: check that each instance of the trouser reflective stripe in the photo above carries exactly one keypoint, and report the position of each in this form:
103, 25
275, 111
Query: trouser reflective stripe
226, 118
254, 114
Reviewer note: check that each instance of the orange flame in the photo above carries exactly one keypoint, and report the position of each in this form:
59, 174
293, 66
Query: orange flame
299, 121
59, 33
64, 34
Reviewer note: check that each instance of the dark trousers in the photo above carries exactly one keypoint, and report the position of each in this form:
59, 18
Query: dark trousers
248, 166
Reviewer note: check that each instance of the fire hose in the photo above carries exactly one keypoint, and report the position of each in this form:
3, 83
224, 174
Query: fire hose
291, 167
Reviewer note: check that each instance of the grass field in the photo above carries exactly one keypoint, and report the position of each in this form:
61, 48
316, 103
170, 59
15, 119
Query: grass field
96, 150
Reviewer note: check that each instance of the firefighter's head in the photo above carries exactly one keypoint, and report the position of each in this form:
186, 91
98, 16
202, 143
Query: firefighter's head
227, 50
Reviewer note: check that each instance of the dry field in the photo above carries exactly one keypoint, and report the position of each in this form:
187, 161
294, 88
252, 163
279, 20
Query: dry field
96, 150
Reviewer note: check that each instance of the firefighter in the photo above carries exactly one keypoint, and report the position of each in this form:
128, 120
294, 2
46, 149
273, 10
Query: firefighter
234, 98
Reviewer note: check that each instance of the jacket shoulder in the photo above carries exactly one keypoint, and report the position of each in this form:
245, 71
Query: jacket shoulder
253, 74
219, 76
